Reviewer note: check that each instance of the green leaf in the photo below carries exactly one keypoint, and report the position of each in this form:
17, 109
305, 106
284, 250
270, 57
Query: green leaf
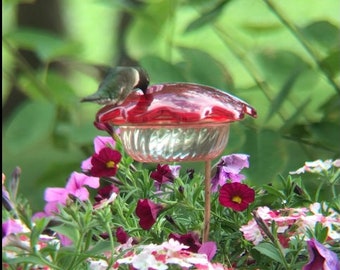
100, 247
297, 114
201, 67
323, 33
277, 66
69, 231
327, 134
282, 95
47, 45
161, 71
270, 251
267, 155
207, 17
40, 225
30, 124
331, 63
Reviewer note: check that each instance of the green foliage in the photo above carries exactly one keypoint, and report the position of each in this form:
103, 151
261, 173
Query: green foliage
283, 64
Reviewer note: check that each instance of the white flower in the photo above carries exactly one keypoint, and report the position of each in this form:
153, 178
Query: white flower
317, 166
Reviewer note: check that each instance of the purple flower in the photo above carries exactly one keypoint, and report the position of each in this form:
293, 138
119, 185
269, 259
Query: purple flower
208, 248
10, 227
321, 258
75, 186
229, 169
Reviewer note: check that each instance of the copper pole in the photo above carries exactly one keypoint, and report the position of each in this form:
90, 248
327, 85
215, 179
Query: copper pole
207, 191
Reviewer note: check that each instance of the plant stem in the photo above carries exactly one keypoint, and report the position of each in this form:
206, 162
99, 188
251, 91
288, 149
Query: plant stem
207, 187
299, 36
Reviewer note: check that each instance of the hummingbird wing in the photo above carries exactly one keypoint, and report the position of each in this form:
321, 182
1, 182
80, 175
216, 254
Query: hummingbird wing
115, 87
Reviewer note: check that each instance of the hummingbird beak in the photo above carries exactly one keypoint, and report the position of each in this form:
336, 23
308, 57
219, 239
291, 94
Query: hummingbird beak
143, 80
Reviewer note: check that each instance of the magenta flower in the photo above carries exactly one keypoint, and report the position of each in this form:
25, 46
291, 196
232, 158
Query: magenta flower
99, 143
147, 211
105, 163
229, 169
236, 196
321, 258
122, 236
165, 173
105, 195
190, 239
75, 186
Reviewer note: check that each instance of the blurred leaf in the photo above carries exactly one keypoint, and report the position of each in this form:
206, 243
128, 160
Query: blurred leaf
324, 33
331, 63
331, 109
208, 16
267, 155
297, 114
46, 44
201, 67
282, 95
160, 70
327, 134
61, 92
30, 123
261, 28
277, 66
33, 86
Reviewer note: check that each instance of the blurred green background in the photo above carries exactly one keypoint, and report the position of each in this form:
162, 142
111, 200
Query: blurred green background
282, 57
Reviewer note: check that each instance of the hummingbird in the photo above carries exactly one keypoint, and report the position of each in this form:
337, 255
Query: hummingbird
118, 83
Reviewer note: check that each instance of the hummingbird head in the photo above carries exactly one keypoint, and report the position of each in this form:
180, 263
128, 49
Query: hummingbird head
143, 79
118, 84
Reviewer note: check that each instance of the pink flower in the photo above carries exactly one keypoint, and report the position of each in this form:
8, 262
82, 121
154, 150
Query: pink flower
75, 186
252, 232
147, 211
10, 227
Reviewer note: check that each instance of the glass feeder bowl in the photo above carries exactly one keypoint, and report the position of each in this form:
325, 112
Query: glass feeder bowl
175, 122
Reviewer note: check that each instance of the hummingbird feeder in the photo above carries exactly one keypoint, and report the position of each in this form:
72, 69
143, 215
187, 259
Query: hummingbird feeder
176, 122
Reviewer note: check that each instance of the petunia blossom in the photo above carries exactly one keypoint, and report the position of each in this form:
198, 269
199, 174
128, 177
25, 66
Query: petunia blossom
99, 143
236, 196
190, 239
147, 211
105, 162
75, 186
320, 257
11, 227
209, 248
105, 196
229, 168
164, 173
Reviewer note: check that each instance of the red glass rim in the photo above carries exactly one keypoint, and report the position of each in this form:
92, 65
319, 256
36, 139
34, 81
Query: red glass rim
176, 104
